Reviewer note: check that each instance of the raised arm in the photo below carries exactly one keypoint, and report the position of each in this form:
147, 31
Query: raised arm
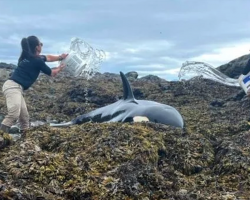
53, 58
47, 70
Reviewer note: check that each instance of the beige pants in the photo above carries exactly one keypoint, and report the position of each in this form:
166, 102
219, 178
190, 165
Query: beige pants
16, 106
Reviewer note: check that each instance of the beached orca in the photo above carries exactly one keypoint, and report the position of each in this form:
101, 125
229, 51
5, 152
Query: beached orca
129, 109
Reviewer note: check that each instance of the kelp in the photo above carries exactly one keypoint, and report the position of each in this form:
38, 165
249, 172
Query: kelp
208, 159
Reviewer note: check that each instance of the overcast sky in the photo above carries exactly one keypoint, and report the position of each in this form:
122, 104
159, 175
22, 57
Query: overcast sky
150, 37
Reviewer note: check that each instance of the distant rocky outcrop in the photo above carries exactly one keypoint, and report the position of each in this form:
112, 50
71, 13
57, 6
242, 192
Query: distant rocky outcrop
235, 67
132, 75
7, 66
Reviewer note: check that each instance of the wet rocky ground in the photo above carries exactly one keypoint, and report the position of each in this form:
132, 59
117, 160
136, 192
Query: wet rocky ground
208, 159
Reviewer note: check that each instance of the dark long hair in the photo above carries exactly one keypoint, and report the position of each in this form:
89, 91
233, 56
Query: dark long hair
28, 45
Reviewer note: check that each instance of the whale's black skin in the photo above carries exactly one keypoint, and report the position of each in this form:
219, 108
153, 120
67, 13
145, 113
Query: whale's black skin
124, 110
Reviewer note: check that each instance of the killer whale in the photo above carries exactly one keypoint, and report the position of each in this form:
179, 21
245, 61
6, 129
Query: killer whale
126, 109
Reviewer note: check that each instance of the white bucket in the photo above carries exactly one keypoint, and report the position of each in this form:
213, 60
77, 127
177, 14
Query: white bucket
244, 81
82, 60
74, 64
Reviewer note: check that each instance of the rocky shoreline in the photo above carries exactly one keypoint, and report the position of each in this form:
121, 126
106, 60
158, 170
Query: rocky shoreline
208, 159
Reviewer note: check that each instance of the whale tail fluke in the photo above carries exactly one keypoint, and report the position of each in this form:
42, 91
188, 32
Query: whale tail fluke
61, 125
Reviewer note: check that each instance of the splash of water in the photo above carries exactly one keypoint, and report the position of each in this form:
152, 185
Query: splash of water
192, 69
83, 60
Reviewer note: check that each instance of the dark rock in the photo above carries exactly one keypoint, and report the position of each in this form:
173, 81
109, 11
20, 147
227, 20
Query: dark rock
239, 96
7, 66
217, 103
138, 93
235, 67
1, 117
150, 78
131, 75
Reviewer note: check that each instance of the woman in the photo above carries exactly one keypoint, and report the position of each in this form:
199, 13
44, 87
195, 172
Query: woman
30, 64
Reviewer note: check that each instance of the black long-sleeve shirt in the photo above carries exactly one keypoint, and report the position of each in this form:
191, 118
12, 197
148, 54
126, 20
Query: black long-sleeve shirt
247, 68
28, 71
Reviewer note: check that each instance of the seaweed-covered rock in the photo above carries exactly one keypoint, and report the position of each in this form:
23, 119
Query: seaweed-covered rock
208, 159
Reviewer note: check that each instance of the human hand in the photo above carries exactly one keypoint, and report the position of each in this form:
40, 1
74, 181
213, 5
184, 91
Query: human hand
61, 66
55, 71
64, 55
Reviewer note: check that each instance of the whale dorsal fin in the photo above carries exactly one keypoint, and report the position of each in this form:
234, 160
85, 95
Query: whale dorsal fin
127, 92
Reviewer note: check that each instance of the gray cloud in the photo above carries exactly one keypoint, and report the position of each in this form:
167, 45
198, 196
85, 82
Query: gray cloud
154, 36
